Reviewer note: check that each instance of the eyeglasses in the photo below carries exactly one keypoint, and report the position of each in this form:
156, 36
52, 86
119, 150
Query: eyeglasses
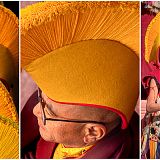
44, 118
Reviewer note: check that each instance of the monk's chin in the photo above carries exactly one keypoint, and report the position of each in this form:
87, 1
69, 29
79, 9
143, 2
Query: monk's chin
45, 136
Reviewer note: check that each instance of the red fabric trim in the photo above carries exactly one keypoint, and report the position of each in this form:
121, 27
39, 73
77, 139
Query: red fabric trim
158, 56
123, 117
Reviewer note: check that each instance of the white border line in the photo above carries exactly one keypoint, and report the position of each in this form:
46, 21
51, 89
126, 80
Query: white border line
140, 51
19, 85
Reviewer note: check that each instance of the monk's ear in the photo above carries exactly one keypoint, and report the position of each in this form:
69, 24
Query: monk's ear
93, 133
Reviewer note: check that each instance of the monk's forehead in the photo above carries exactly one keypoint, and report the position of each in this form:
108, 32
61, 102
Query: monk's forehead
75, 110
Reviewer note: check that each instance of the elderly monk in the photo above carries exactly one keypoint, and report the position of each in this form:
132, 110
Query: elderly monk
83, 56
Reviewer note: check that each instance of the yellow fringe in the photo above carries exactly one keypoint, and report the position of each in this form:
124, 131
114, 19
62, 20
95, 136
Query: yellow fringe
7, 107
47, 11
152, 32
9, 32
46, 26
9, 139
153, 147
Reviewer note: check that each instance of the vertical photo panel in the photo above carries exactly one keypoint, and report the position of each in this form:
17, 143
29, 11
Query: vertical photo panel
150, 82
80, 80
9, 80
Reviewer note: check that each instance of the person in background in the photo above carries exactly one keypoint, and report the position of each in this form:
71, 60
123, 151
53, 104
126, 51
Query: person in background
151, 83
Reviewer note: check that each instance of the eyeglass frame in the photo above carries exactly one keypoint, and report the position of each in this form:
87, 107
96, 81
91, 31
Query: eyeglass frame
44, 118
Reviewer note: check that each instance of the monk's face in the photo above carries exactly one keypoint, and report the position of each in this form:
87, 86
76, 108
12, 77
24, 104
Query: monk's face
67, 133
73, 134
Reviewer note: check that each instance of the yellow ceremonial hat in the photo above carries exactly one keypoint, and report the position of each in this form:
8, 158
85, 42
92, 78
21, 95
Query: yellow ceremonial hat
84, 53
8, 44
9, 134
152, 41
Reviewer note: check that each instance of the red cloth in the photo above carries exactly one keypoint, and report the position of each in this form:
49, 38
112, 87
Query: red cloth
116, 145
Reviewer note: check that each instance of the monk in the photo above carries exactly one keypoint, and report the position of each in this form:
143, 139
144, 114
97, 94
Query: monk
86, 68
94, 132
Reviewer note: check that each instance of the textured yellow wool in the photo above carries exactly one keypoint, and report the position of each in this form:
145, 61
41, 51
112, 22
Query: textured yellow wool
9, 138
152, 39
62, 153
98, 72
47, 26
7, 107
7, 67
9, 135
9, 32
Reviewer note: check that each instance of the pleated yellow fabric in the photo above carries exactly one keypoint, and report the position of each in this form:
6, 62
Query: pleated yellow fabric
9, 134
7, 107
7, 67
152, 39
9, 32
84, 53
47, 26
9, 138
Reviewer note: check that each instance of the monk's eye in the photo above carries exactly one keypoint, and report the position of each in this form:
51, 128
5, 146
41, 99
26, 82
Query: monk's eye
49, 112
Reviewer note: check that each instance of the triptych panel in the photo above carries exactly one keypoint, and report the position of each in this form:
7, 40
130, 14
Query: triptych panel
79, 79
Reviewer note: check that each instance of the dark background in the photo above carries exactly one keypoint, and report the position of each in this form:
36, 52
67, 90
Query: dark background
13, 6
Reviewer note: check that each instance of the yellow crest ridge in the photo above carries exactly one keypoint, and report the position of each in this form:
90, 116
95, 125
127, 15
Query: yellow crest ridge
7, 107
9, 13
149, 39
37, 14
9, 32
47, 26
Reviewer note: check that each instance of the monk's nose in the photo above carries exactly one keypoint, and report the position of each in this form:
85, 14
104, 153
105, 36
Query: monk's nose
37, 111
